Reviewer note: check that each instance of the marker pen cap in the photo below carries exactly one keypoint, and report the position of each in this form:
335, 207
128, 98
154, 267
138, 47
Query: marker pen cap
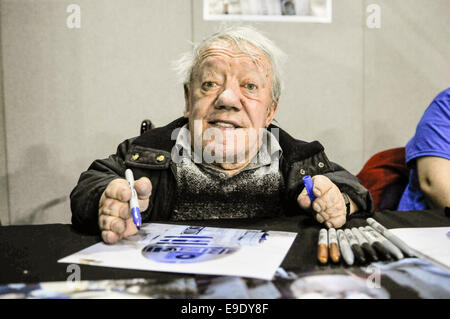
342, 239
360, 237
370, 238
377, 226
332, 236
323, 237
350, 237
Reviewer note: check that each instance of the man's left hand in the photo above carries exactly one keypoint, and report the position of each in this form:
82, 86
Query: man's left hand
329, 204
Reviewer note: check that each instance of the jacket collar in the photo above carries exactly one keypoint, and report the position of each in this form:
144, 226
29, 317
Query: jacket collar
164, 138
161, 137
295, 150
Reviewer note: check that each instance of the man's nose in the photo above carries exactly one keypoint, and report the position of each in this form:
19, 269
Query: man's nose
229, 99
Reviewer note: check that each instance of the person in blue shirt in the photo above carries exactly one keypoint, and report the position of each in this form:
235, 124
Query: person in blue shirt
428, 157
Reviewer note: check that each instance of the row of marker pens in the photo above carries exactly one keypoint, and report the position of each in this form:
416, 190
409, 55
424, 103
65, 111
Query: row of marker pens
363, 244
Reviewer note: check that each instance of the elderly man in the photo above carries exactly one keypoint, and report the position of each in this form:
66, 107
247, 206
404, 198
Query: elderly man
223, 158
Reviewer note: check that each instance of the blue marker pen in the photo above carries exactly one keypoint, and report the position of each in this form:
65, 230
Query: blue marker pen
309, 184
134, 203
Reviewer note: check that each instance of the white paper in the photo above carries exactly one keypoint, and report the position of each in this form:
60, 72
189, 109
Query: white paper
193, 249
430, 243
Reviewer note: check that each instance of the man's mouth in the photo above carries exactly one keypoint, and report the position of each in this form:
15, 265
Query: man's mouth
224, 124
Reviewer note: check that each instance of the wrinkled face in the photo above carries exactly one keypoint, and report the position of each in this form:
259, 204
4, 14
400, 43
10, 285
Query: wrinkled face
228, 102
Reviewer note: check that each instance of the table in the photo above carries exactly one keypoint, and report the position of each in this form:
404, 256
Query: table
29, 253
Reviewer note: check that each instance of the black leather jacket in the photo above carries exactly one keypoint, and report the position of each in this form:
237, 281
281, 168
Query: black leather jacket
150, 155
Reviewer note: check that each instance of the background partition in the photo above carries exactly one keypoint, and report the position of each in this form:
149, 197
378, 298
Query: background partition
71, 95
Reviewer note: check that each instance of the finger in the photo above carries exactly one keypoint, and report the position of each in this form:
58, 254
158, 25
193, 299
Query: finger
324, 216
113, 207
110, 223
303, 199
102, 200
143, 188
131, 228
103, 222
110, 237
143, 204
320, 206
336, 222
118, 189
322, 184
319, 218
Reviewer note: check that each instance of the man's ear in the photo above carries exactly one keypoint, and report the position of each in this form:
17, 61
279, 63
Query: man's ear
271, 111
187, 106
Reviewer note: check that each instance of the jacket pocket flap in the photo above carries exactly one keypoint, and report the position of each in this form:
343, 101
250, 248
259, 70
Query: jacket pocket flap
144, 157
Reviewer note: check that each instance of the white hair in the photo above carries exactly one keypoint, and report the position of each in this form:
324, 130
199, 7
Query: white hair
241, 36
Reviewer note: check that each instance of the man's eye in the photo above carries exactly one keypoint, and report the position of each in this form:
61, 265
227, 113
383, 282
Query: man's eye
208, 85
251, 86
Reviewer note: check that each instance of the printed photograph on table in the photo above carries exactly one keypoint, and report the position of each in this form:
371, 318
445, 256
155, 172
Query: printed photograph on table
334, 284
193, 249
269, 10
407, 278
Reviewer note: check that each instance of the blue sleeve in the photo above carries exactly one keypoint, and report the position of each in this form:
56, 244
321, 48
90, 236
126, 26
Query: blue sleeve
432, 136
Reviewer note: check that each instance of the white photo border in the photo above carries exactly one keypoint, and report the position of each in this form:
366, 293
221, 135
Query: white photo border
269, 18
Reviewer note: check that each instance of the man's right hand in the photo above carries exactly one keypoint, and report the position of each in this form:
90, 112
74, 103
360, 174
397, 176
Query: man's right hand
114, 216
